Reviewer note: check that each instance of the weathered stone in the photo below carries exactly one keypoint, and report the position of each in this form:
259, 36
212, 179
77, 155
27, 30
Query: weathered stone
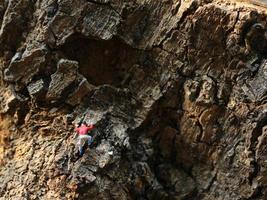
106, 152
12, 25
190, 129
37, 89
66, 18
204, 175
191, 88
175, 90
24, 67
145, 26
167, 141
207, 120
83, 89
183, 185
65, 75
207, 92
100, 22
256, 88
10, 101
256, 39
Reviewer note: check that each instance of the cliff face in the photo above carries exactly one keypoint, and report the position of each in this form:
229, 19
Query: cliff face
177, 90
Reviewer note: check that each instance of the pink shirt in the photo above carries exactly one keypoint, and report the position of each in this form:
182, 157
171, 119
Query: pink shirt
83, 129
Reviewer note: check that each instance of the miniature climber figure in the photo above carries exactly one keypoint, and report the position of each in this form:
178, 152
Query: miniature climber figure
83, 135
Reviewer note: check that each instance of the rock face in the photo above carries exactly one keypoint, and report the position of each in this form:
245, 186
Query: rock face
176, 90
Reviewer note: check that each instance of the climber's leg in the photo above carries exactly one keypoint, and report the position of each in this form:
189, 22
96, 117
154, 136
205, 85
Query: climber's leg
90, 140
80, 151
81, 140
87, 138
80, 145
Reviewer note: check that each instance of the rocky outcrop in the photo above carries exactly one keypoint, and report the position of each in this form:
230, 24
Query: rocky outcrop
176, 90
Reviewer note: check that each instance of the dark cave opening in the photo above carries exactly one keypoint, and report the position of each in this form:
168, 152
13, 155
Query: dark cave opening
101, 62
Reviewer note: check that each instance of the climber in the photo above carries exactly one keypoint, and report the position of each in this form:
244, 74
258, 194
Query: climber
83, 135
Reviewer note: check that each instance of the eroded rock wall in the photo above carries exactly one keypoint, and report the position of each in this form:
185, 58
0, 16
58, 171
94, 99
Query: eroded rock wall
176, 89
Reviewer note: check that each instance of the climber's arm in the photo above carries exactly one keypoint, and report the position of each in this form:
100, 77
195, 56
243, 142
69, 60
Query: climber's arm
76, 130
90, 127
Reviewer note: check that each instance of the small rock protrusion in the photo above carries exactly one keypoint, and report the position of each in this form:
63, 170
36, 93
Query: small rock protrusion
67, 71
207, 92
81, 91
9, 100
37, 89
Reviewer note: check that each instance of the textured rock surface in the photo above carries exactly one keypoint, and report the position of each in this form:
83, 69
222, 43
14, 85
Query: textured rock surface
176, 89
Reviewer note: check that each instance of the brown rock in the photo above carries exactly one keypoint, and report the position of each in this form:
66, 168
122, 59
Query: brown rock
83, 89
178, 103
65, 75
166, 143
